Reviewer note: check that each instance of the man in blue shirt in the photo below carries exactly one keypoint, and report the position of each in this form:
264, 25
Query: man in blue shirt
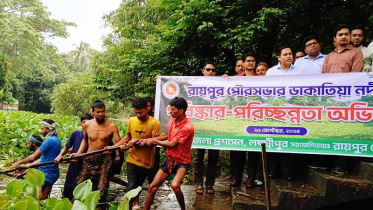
47, 152
314, 61
74, 167
33, 143
285, 66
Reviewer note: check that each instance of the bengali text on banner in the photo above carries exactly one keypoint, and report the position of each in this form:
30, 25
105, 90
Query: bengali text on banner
311, 114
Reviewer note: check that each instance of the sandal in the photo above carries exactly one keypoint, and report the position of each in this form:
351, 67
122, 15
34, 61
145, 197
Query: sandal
199, 189
210, 190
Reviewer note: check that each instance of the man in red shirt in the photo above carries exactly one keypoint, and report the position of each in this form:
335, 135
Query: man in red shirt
180, 138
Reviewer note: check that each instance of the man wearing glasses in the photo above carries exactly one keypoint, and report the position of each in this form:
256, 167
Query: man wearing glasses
213, 155
249, 64
314, 61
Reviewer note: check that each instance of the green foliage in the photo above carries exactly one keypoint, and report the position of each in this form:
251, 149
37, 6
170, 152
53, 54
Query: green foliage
36, 66
92, 199
77, 95
74, 97
27, 203
368, 99
17, 126
16, 198
82, 190
79, 205
62, 205
174, 37
224, 163
13, 189
5, 94
35, 177
81, 57
124, 205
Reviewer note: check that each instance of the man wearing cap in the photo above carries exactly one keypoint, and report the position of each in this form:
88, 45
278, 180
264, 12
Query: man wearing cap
47, 152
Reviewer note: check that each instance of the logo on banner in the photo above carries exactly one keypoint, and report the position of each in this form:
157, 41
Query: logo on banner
170, 89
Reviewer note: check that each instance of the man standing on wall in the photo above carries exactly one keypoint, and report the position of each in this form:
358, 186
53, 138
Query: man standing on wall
199, 154
345, 57
357, 39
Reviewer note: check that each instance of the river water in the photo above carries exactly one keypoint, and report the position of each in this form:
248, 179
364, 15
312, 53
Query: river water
115, 192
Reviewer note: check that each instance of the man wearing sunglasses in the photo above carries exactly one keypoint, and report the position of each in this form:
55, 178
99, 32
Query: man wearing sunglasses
209, 70
213, 155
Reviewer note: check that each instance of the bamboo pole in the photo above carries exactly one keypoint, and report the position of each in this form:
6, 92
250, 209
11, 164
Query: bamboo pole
63, 160
266, 178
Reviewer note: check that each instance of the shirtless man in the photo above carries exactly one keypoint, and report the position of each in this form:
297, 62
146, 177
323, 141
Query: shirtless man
98, 133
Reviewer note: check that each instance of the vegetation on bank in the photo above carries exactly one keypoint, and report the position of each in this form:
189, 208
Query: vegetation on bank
21, 195
17, 126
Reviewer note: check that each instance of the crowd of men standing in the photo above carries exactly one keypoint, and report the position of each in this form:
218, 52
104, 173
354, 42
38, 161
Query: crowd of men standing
144, 131
349, 55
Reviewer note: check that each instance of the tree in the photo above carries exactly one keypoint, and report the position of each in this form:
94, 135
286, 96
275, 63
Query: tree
170, 37
81, 56
5, 94
276, 101
126, 69
24, 26
75, 96
368, 99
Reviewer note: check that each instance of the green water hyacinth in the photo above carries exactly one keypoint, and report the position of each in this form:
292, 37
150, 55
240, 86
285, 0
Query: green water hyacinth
20, 195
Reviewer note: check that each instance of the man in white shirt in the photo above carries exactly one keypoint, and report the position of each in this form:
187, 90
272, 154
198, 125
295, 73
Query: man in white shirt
285, 66
368, 60
314, 61
357, 39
